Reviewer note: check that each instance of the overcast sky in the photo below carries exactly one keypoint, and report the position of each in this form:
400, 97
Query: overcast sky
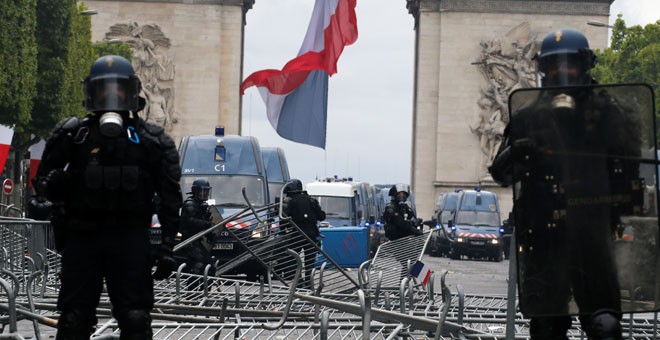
369, 134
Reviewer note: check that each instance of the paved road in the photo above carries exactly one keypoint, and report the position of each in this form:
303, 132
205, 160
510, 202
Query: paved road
476, 276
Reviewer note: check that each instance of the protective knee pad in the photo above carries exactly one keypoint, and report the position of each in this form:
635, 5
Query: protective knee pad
74, 325
605, 324
135, 324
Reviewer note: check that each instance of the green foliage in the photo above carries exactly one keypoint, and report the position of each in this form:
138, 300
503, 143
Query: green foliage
18, 62
102, 48
633, 56
54, 31
80, 57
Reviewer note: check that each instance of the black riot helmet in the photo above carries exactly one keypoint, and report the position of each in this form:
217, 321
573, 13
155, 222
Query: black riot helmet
399, 192
201, 189
292, 186
112, 86
565, 59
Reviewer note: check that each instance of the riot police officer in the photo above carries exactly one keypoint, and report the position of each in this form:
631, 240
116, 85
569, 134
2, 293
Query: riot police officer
196, 217
101, 172
400, 219
305, 211
564, 219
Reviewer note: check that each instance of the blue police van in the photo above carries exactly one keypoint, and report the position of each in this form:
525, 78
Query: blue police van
277, 170
229, 163
443, 234
477, 226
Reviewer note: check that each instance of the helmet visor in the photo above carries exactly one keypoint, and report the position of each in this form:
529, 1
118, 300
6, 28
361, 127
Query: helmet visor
563, 69
110, 94
202, 193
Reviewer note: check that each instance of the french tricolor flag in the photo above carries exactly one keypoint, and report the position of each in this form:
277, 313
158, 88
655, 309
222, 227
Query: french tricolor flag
36, 151
6, 134
296, 96
421, 271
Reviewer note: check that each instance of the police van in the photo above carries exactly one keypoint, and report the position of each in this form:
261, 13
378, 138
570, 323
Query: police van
229, 163
443, 234
346, 232
277, 170
477, 226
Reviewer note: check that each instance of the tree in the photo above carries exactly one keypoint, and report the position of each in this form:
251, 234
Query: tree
18, 62
633, 56
54, 31
80, 56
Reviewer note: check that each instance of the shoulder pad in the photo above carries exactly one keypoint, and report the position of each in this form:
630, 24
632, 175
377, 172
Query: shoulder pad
71, 124
64, 127
153, 129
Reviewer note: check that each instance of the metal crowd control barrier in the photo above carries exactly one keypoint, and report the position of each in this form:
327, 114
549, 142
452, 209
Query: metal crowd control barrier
339, 305
394, 260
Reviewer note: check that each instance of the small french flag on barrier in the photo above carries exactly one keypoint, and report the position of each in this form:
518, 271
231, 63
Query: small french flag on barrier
421, 271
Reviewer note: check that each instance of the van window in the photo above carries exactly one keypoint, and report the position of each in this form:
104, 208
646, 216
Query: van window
227, 190
338, 210
485, 203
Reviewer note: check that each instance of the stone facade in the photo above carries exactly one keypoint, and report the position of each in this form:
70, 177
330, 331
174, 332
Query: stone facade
190, 53
449, 81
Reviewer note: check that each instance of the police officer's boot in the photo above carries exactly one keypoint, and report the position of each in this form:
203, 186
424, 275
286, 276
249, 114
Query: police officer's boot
72, 325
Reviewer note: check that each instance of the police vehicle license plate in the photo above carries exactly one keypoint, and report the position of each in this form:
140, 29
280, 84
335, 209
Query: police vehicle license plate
223, 246
478, 243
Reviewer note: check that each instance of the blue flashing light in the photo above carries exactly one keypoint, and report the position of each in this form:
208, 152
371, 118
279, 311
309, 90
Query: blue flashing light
437, 226
350, 179
457, 190
453, 227
502, 230
367, 224
477, 189
219, 131
378, 223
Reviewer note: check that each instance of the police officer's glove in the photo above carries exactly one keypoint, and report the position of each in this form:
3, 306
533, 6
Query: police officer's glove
165, 263
56, 185
524, 150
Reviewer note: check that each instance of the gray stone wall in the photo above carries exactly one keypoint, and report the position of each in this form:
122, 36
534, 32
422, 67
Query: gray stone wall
205, 51
446, 153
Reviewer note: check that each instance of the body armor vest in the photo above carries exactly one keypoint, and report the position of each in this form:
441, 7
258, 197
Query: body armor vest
111, 178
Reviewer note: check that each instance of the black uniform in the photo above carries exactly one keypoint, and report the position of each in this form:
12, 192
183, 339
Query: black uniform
305, 211
196, 217
400, 221
565, 207
103, 190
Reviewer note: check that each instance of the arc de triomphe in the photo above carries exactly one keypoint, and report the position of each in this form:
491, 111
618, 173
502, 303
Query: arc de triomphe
469, 54
188, 55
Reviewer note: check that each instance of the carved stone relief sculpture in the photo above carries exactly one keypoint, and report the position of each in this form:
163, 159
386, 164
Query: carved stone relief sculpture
153, 65
506, 64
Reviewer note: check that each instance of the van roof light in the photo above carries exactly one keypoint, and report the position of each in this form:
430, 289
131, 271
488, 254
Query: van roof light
219, 131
